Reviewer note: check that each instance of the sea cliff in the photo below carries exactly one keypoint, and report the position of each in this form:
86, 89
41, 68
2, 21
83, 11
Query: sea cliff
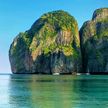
54, 44
50, 46
94, 42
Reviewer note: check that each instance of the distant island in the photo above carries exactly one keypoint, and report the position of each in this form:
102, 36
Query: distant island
54, 45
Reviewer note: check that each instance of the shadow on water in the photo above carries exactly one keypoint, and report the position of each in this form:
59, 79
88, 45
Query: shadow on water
32, 91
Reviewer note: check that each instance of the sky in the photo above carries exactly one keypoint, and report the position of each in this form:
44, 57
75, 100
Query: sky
19, 15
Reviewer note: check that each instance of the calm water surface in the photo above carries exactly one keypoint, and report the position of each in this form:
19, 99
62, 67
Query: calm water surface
32, 91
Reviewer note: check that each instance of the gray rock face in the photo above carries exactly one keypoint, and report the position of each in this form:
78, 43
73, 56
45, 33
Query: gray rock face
94, 42
100, 14
50, 46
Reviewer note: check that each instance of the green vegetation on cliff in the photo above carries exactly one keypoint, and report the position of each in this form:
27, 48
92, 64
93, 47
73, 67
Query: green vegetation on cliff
51, 25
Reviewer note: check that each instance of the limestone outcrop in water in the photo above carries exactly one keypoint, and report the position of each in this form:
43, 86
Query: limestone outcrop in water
50, 46
94, 42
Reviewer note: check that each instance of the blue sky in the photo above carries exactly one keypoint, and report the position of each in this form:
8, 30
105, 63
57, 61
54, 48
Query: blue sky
18, 16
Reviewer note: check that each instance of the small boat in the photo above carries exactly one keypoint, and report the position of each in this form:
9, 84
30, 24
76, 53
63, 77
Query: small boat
56, 73
88, 73
83, 73
78, 73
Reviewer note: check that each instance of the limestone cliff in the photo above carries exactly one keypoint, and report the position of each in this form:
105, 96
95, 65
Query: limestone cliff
50, 46
94, 42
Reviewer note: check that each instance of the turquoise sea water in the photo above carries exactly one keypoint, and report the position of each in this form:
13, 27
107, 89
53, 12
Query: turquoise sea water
36, 91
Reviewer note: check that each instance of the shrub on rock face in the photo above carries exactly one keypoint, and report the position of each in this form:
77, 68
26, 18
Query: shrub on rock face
50, 46
94, 42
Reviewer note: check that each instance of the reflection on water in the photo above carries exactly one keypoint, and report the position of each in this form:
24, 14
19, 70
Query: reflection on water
32, 91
